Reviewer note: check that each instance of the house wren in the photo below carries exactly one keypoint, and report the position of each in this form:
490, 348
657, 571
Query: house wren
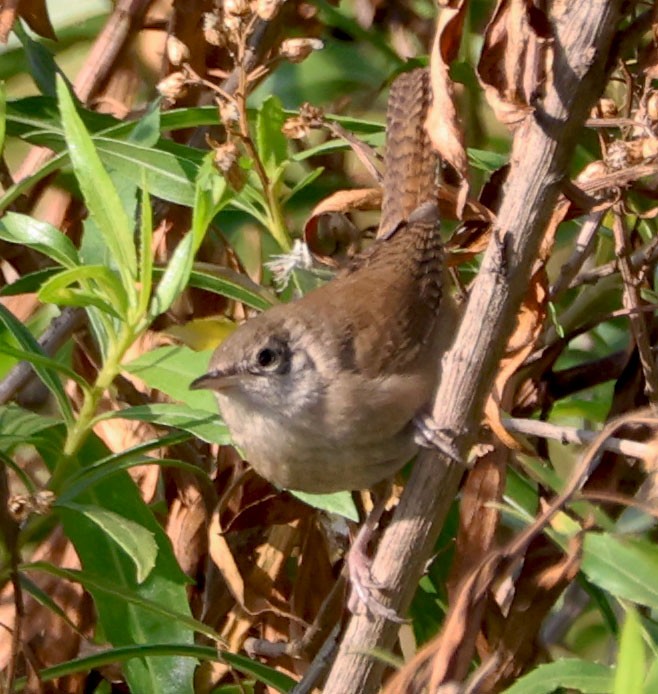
321, 393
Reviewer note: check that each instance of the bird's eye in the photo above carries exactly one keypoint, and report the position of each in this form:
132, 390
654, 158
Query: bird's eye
267, 357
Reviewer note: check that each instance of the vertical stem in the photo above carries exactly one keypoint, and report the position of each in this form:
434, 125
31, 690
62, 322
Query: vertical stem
632, 301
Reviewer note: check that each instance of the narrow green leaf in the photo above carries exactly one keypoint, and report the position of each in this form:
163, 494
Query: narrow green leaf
43, 67
9, 463
631, 665
271, 143
94, 472
105, 291
99, 472
145, 249
579, 675
174, 278
37, 359
206, 426
211, 195
29, 283
624, 566
27, 183
3, 115
136, 541
40, 236
267, 675
306, 181
47, 375
44, 599
169, 177
101, 584
232, 285
98, 190
122, 654
18, 424
147, 130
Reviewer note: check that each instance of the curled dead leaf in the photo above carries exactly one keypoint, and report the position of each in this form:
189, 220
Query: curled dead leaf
443, 123
516, 59
327, 231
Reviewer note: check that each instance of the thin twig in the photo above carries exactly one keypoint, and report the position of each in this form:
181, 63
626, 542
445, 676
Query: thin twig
583, 247
644, 256
566, 434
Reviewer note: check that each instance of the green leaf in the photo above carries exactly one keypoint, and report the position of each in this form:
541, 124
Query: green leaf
105, 290
136, 541
145, 250
169, 176
44, 599
306, 181
581, 675
340, 503
40, 236
171, 370
121, 620
31, 282
103, 469
93, 473
211, 195
651, 681
232, 285
99, 192
147, 130
103, 585
175, 277
19, 426
3, 115
36, 359
631, 666
271, 143
485, 160
123, 654
42, 66
26, 184
625, 567
267, 675
47, 375
206, 426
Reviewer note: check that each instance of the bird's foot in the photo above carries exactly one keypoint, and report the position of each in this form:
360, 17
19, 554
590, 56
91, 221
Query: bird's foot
427, 435
363, 583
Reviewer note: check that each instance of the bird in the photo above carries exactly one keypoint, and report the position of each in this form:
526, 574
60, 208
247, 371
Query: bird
322, 394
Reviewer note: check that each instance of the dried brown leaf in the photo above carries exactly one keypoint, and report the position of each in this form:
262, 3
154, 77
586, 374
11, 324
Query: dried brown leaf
35, 14
516, 59
545, 572
327, 231
443, 123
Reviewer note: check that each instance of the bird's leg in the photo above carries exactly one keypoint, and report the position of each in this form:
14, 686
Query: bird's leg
359, 563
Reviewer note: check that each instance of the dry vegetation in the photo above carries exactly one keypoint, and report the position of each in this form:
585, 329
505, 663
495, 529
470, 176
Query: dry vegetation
139, 552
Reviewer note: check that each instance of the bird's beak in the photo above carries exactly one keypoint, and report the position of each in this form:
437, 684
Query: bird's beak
216, 380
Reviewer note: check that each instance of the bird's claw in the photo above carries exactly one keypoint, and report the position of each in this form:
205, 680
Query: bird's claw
427, 435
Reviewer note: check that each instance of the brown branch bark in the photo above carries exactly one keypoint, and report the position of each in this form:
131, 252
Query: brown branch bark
541, 151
